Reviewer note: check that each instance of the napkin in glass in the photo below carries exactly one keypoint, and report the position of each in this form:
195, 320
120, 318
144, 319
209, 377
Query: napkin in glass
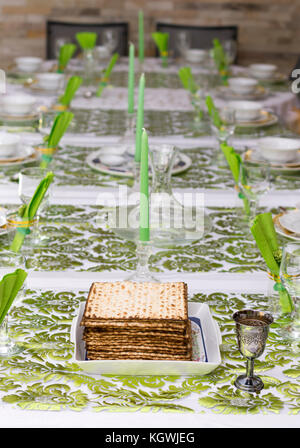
213, 112
73, 85
86, 40
107, 72
265, 236
187, 79
65, 53
162, 42
10, 285
234, 161
29, 211
220, 60
59, 127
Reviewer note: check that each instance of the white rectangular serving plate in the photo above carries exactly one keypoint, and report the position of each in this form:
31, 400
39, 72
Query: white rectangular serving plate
211, 338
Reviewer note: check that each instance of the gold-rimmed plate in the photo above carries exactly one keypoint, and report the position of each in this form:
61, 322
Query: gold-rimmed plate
266, 119
253, 156
16, 118
25, 154
278, 77
289, 219
227, 94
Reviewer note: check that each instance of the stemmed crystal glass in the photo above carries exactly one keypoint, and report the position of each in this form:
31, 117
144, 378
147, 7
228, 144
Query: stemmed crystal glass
183, 42
290, 277
230, 49
224, 131
110, 39
29, 179
253, 183
9, 262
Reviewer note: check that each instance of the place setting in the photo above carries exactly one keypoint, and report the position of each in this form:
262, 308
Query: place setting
266, 73
242, 88
24, 69
279, 153
13, 152
19, 110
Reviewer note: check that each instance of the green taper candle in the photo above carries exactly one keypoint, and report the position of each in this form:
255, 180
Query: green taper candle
131, 80
140, 119
144, 190
141, 36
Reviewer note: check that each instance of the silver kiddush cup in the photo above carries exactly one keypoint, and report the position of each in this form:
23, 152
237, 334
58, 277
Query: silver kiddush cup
252, 328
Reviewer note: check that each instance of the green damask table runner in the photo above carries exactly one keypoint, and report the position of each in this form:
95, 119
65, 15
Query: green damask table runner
43, 377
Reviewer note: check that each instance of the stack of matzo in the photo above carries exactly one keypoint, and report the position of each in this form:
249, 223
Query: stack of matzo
126, 320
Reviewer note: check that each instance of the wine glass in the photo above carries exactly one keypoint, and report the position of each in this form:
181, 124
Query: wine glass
253, 183
252, 328
290, 277
230, 50
223, 131
110, 39
183, 42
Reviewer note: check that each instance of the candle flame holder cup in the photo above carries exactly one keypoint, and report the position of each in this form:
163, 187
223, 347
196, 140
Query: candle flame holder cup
252, 328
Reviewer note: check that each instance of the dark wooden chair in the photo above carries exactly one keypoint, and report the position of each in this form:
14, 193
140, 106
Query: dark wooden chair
200, 36
67, 30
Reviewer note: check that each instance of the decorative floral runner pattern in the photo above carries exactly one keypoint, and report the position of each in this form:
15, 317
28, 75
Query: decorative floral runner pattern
43, 377
77, 239
205, 171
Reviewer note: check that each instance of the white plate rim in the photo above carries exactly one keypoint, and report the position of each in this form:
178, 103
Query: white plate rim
89, 160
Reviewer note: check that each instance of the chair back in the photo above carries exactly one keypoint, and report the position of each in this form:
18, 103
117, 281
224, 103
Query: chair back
59, 30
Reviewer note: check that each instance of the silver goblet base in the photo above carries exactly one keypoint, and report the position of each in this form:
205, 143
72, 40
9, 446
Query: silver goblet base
249, 384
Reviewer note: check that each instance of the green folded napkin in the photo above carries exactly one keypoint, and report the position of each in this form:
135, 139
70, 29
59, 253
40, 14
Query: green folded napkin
10, 285
187, 79
65, 53
265, 236
86, 40
106, 74
234, 161
73, 85
28, 212
220, 60
59, 127
162, 42
213, 112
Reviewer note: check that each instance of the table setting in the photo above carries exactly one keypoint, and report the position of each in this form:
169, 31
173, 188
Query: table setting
149, 236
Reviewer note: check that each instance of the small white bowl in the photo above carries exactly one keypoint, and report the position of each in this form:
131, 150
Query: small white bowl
111, 159
246, 110
263, 71
9, 144
112, 150
18, 104
195, 55
242, 86
28, 64
279, 149
50, 81
102, 51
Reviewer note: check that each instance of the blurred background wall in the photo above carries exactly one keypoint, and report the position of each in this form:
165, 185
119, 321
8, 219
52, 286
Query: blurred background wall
269, 30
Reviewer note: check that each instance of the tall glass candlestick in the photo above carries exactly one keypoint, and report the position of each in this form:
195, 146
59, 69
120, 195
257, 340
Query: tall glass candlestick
131, 80
140, 119
141, 36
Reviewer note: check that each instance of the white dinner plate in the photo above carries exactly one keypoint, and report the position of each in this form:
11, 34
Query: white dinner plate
28, 117
3, 228
253, 156
25, 154
291, 221
227, 94
266, 119
205, 342
182, 163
